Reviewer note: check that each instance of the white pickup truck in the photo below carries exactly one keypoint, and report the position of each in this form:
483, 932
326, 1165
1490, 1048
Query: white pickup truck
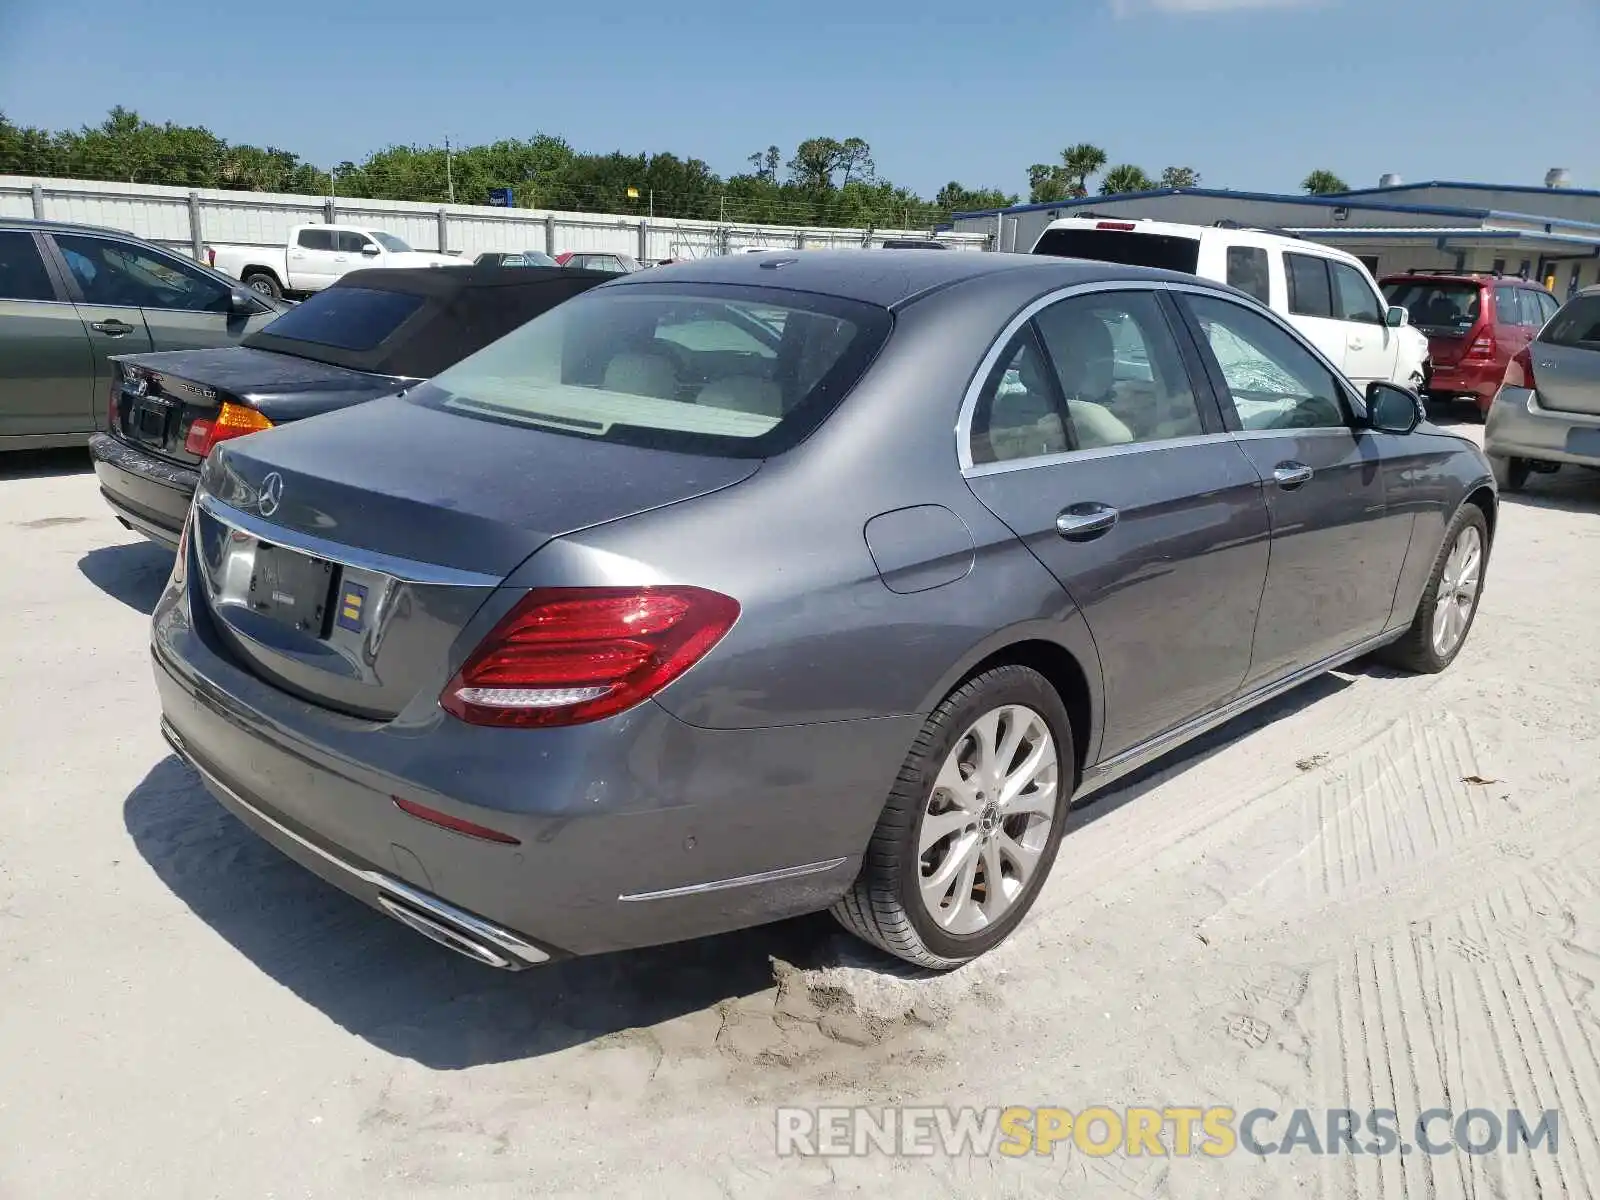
316, 256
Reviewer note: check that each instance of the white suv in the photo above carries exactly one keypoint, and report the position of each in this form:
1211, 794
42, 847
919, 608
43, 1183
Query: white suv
1326, 294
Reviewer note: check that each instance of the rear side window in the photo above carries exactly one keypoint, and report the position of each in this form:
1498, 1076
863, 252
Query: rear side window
346, 318
1127, 247
315, 239
1247, 271
1357, 301
1310, 294
1507, 306
22, 273
735, 372
1578, 324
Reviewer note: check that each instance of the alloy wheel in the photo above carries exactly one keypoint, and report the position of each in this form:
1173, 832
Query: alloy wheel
987, 819
1458, 591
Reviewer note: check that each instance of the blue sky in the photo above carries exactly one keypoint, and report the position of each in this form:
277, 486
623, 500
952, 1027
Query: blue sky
1253, 93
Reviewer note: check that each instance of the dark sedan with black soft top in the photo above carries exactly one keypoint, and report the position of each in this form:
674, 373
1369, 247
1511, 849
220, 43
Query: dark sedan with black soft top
371, 334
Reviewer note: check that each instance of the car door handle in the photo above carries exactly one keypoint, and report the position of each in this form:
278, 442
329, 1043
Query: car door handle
1290, 475
111, 328
1357, 344
1085, 522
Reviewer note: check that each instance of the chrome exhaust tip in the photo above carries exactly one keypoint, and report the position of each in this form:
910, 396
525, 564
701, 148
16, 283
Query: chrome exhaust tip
447, 936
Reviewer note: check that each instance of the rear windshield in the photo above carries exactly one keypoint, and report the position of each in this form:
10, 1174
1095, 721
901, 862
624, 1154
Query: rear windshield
347, 318
1442, 307
737, 372
1131, 249
1578, 324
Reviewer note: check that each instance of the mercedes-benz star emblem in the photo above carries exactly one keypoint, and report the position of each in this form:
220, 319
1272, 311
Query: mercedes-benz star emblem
271, 494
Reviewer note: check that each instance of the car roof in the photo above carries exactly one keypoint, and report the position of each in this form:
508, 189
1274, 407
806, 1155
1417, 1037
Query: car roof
886, 278
66, 227
1487, 278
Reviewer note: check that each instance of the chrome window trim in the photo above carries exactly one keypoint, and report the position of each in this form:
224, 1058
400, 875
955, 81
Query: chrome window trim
969, 402
403, 570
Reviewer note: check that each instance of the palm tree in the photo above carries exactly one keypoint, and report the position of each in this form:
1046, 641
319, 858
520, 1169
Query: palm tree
1082, 161
1324, 183
1126, 178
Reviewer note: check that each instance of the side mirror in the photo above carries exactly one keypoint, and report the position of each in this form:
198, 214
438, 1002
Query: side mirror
370, 249
1397, 317
1392, 408
241, 303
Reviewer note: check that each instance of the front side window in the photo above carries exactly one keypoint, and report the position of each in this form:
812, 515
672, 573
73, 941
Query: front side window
22, 272
125, 275
1272, 379
1310, 294
1357, 301
315, 239
1247, 271
389, 242
348, 242
696, 368
1118, 367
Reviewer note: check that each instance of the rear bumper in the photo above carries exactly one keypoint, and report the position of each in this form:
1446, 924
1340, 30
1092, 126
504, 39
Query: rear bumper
1479, 382
149, 494
1520, 427
634, 831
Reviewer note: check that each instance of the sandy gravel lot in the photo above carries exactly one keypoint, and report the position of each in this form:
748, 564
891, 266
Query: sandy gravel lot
1382, 892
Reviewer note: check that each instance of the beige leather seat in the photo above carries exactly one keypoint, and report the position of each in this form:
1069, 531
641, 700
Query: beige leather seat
642, 375
743, 393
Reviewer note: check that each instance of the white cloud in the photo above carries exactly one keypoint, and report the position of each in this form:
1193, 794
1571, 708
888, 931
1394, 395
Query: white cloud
1129, 8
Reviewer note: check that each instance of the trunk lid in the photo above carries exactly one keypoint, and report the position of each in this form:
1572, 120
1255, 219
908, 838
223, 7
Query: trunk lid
159, 397
340, 559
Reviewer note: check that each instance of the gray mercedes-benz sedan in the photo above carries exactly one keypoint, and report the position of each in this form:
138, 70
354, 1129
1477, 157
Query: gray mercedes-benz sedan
774, 583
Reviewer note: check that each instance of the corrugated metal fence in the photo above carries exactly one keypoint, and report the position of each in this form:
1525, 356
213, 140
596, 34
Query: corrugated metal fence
186, 220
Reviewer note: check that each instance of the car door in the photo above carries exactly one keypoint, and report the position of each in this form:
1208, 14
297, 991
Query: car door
1089, 439
108, 301
1371, 347
1310, 304
182, 307
351, 248
47, 383
1337, 549
312, 260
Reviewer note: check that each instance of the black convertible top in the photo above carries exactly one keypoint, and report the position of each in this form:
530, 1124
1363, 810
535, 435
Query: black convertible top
416, 321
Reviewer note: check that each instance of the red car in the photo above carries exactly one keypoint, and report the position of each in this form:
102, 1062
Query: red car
1475, 322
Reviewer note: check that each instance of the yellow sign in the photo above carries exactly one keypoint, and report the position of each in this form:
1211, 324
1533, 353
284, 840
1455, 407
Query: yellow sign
633, 193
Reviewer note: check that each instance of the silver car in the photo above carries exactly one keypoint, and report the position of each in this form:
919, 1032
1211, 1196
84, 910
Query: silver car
774, 583
1548, 411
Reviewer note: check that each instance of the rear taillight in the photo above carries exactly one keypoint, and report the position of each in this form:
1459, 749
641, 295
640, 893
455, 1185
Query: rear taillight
114, 406
1482, 347
1519, 371
231, 421
211, 257
565, 656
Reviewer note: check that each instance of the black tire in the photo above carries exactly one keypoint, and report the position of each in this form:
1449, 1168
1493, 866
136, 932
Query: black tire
1510, 474
263, 282
884, 906
1416, 651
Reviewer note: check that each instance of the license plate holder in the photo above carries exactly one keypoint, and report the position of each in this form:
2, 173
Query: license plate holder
148, 421
292, 589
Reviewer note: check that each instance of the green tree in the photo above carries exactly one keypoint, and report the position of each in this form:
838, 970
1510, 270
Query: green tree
953, 198
1324, 183
1126, 178
1180, 177
1048, 182
1082, 161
